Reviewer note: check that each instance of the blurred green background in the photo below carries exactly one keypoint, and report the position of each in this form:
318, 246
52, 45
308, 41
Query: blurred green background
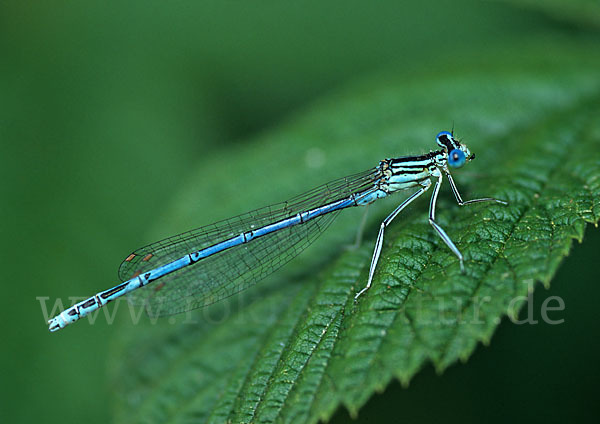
107, 107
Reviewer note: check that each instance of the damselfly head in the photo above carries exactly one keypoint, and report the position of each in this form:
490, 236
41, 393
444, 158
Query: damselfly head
458, 154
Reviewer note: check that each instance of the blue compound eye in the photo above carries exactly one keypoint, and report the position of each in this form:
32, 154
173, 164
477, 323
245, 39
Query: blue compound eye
456, 158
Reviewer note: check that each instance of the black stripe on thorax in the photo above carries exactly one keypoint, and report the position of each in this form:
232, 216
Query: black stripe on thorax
405, 160
407, 170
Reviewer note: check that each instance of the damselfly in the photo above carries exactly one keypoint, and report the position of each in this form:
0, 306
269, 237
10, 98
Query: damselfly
205, 265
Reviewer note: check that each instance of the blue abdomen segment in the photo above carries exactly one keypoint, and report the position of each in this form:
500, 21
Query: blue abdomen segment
95, 302
369, 197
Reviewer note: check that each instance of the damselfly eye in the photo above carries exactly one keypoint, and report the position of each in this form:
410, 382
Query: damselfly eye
456, 158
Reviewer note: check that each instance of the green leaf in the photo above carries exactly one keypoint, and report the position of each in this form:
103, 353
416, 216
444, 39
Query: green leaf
579, 12
296, 347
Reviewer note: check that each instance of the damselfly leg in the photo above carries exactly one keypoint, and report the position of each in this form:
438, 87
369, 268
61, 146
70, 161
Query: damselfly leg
432, 205
360, 231
436, 226
459, 199
379, 242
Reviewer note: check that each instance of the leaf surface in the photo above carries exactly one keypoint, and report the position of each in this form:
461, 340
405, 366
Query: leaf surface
296, 347
584, 13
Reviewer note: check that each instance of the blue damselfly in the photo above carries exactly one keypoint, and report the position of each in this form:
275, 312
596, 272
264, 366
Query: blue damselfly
205, 265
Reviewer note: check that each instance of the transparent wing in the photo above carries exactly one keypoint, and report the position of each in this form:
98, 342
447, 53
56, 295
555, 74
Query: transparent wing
230, 271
